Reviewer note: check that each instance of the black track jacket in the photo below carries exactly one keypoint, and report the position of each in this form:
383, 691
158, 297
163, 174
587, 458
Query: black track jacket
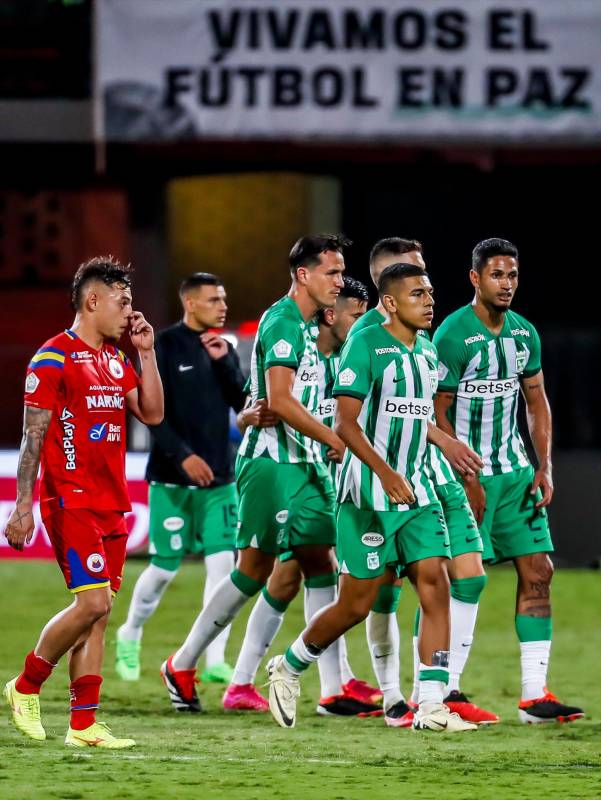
199, 392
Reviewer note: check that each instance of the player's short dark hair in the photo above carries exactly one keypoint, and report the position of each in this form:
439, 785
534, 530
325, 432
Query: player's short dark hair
102, 268
352, 288
307, 250
394, 246
489, 248
398, 272
198, 279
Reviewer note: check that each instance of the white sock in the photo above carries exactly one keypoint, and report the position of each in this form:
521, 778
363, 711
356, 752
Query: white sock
463, 622
384, 642
145, 599
263, 624
302, 653
218, 612
316, 599
217, 566
535, 663
346, 673
430, 691
416, 662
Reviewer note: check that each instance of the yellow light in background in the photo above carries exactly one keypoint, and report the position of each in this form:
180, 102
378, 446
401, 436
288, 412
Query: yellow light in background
242, 228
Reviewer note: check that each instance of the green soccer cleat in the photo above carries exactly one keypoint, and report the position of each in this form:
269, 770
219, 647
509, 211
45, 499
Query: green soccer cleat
218, 673
25, 710
127, 659
97, 735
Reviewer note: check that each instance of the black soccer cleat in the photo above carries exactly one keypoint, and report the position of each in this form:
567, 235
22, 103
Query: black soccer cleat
547, 709
400, 715
341, 706
181, 686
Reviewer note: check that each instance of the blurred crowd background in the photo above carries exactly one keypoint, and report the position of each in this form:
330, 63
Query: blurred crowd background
196, 135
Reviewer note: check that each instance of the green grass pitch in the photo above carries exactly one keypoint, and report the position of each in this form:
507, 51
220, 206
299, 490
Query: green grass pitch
240, 756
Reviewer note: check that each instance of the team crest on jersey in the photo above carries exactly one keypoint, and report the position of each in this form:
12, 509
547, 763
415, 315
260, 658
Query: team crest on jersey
373, 560
116, 368
282, 349
521, 359
346, 377
176, 541
443, 371
31, 383
95, 562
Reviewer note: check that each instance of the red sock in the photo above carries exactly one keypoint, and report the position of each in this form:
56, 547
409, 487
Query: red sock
85, 697
36, 671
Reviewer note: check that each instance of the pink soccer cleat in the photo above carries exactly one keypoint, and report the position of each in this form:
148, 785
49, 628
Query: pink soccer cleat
243, 697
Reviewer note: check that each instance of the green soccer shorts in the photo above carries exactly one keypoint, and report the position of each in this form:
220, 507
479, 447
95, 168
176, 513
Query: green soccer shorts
283, 506
513, 526
190, 519
369, 541
464, 535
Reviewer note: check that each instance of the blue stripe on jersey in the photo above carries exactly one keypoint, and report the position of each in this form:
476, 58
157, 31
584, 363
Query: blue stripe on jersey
51, 350
70, 334
46, 362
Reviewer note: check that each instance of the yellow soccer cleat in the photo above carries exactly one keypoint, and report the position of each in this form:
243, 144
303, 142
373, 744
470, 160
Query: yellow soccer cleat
26, 711
97, 735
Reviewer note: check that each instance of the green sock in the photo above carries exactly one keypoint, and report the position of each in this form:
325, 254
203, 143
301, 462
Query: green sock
388, 599
533, 629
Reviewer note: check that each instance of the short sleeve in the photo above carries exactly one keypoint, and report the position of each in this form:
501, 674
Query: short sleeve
283, 343
131, 379
354, 374
533, 364
451, 362
44, 378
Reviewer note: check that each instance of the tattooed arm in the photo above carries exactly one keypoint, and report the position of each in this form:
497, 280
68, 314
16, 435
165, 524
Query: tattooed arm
538, 413
20, 525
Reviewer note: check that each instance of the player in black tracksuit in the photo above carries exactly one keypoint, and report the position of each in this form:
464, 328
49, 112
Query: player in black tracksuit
192, 496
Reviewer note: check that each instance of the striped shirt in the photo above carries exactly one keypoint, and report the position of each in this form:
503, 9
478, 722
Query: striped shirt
396, 386
327, 369
484, 370
440, 470
284, 339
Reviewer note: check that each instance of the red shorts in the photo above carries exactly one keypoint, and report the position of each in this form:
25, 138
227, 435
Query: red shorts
89, 546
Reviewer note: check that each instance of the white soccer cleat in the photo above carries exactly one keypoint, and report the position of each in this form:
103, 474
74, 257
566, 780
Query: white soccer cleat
284, 690
436, 717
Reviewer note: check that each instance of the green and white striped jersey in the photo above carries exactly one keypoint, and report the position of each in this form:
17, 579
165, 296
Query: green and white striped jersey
441, 471
284, 339
327, 369
484, 372
397, 387
371, 317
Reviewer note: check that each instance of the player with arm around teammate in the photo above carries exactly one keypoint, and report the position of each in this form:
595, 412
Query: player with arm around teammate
286, 498
77, 390
388, 514
354, 696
